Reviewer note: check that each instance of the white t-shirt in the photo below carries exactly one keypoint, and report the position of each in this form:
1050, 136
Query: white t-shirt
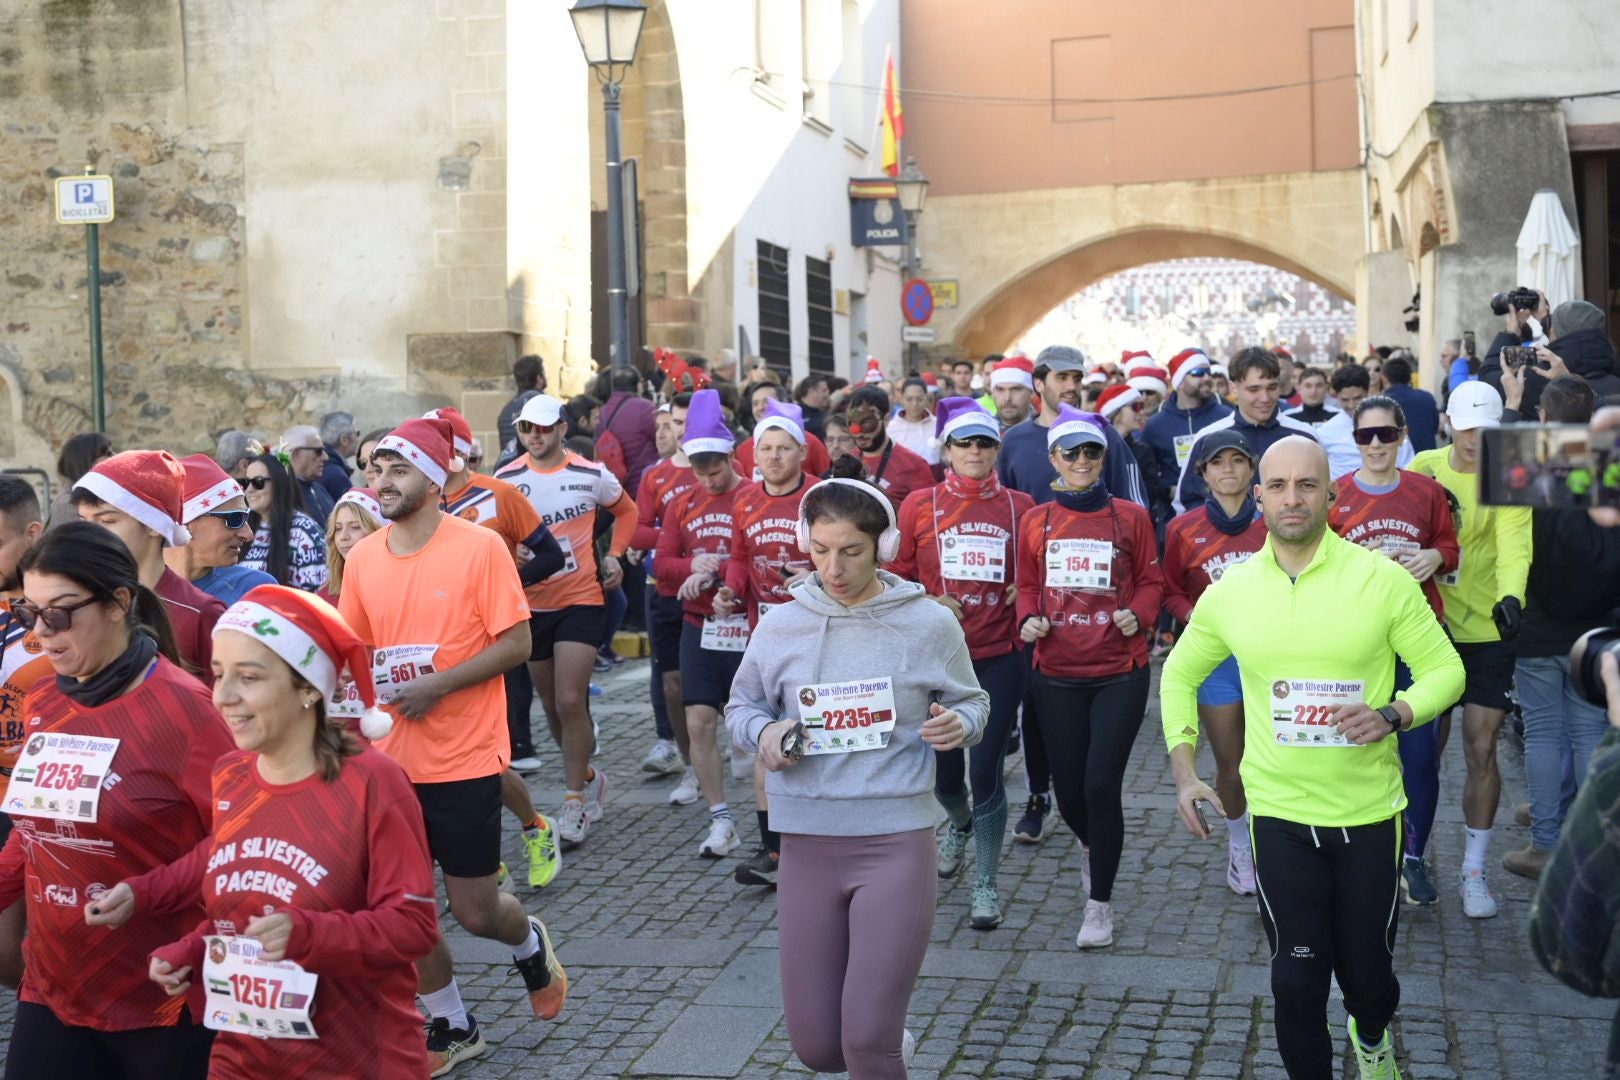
915, 437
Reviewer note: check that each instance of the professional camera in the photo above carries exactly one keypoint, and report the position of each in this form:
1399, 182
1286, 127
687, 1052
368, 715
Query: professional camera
1548, 466
1584, 657
1520, 298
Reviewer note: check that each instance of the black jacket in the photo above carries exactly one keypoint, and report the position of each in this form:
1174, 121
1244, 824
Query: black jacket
1574, 581
1587, 353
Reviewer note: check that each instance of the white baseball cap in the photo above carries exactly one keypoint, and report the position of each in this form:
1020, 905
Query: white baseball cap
1473, 405
542, 409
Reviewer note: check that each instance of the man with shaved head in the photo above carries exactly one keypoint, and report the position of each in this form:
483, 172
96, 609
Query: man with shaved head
1316, 624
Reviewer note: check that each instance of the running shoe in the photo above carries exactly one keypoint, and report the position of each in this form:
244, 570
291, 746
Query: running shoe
595, 691
543, 976
1417, 887
601, 664
662, 759
986, 913
446, 1046
1477, 901
908, 1047
952, 843
721, 841
608, 654
527, 763
571, 823
1097, 931
1377, 1063
545, 861
596, 796
686, 792
1032, 826
760, 869
1240, 869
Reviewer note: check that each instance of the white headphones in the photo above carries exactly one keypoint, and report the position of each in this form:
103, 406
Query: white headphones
888, 545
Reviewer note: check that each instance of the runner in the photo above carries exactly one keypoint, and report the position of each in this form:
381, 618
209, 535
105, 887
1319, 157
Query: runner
215, 513
440, 600
1258, 417
1089, 588
1483, 601
121, 707
568, 609
1012, 384
893, 469
766, 561
317, 864
1199, 547
694, 546
859, 874
1322, 779
140, 496
1406, 516
958, 540
1192, 407
356, 516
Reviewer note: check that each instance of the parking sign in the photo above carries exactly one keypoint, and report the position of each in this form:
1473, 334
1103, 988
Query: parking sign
84, 200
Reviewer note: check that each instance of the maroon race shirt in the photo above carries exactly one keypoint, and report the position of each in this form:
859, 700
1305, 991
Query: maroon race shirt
1415, 515
659, 485
695, 523
898, 472
765, 548
192, 615
1196, 554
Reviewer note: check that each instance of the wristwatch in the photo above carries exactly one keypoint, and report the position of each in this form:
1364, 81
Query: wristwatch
1390, 713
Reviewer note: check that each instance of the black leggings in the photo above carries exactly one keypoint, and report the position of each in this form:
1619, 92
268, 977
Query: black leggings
1328, 901
41, 1045
1037, 772
1089, 727
1002, 677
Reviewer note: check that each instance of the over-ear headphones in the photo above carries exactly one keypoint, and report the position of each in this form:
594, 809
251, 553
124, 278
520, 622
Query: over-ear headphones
888, 545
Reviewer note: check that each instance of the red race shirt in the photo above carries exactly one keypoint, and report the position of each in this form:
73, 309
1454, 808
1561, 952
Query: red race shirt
1414, 516
696, 523
816, 459
972, 530
902, 474
1084, 643
155, 808
192, 615
348, 861
659, 485
22, 664
1196, 554
765, 542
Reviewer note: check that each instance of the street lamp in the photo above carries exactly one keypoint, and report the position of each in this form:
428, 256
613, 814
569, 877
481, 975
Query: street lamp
912, 187
609, 31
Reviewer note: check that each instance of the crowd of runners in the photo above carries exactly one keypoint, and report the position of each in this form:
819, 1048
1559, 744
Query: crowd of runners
250, 703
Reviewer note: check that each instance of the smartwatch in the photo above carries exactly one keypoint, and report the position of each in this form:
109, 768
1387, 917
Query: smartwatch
1390, 713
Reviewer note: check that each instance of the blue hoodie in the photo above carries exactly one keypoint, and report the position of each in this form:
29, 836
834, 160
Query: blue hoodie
1165, 425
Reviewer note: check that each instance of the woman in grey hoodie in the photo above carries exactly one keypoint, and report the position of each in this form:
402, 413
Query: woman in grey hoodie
845, 694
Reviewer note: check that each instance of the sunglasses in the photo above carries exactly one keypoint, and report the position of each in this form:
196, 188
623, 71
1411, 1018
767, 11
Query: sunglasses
1138, 406
476, 459
978, 442
1197, 372
363, 463
232, 519
1386, 434
1092, 452
57, 618
256, 483
525, 427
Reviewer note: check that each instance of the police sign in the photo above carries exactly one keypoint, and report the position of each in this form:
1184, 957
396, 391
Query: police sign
875, 217
84, 200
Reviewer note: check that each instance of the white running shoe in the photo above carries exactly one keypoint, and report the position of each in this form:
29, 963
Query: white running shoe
908, 1048
721, 840
1085, 869
1240, 869
1477, 901
686, 792
531, 763
662, 759
1097, 931
596, 795
571, 823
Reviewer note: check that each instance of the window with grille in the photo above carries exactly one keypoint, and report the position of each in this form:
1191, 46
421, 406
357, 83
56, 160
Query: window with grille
775, 320
818, 306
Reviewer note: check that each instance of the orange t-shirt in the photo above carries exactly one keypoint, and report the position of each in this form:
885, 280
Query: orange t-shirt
447, 603
567, 498
497, 505
22, 664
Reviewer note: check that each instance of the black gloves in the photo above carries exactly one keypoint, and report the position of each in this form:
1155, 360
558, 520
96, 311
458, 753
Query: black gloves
1508, 615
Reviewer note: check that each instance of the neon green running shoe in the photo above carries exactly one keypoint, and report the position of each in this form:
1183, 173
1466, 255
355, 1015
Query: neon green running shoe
544, 857
1377, 1063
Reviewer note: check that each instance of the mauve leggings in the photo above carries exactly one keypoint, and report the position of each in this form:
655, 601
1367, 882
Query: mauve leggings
854, 914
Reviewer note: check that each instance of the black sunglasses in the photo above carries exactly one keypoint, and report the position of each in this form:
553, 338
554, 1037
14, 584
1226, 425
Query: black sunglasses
1384, 434
1092, 451
233, 519
57, 617
362, 463
1197, 372
978, 442
256, 483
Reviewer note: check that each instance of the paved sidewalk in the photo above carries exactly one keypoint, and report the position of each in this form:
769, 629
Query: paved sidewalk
673, 967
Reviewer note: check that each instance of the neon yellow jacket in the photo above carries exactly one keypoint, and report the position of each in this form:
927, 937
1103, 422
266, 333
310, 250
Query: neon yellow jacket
1347, 617
1495, 544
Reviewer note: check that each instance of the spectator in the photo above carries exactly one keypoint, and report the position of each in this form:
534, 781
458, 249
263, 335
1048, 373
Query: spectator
306, 460
760, 392
287, 543
582, 414
1458, 368
362, 457
340, 438
1516, 330
1314, 408
1374, 366
755, 370
1422, 414
529, 373
813, 395
79, 455
235, 451
630, 420
1579, 346
913, 426
724, 368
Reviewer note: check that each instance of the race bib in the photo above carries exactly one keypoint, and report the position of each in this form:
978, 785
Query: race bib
570, 564
841, 718
1302, 710
1449, 580
1184, 445
1394, 545
1079, 564
725, 633
58, 775
345, 703
255, 997
394, 667
972, 558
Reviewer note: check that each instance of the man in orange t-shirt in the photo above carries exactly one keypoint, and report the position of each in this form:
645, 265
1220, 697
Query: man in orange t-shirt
440, 601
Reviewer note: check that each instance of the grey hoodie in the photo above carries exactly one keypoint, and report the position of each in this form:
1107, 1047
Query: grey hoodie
899, 633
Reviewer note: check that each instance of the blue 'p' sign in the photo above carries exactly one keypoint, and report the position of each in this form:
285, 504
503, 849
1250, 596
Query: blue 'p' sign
84, 193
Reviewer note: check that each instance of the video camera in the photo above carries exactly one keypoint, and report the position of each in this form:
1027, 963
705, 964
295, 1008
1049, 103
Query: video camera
1521, 298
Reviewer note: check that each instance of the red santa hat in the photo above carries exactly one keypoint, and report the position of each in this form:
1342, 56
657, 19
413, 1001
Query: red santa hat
1183, 362
1115, 398
310, 635
1148, 378
426, 444
1016, 370
148, 485
931, 380
1095, 376
460, 430
364, 498
1130, 358
207, 486
874, 370
1282, 352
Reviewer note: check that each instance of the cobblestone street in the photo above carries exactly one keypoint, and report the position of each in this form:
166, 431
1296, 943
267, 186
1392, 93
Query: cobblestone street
673, 966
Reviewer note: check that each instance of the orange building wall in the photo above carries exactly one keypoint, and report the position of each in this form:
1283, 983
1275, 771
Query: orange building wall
1003, 95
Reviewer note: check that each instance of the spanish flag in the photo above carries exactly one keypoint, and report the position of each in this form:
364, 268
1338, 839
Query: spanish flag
893, 119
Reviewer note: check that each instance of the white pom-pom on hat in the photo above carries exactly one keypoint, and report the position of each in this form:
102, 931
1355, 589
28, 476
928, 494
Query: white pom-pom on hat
374, 723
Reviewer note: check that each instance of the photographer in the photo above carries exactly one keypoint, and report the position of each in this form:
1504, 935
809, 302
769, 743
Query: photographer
1578, 345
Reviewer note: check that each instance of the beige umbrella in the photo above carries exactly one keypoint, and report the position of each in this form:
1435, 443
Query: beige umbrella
1549, 250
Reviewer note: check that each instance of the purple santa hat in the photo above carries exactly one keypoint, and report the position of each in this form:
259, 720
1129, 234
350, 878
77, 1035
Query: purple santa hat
780, 416
960, 417
1073, 428
706, 431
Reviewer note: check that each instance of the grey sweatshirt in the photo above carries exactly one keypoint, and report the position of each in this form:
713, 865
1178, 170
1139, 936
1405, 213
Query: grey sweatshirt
899, 634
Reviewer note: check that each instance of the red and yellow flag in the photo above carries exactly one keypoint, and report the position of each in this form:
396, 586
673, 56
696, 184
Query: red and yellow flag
893, 118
